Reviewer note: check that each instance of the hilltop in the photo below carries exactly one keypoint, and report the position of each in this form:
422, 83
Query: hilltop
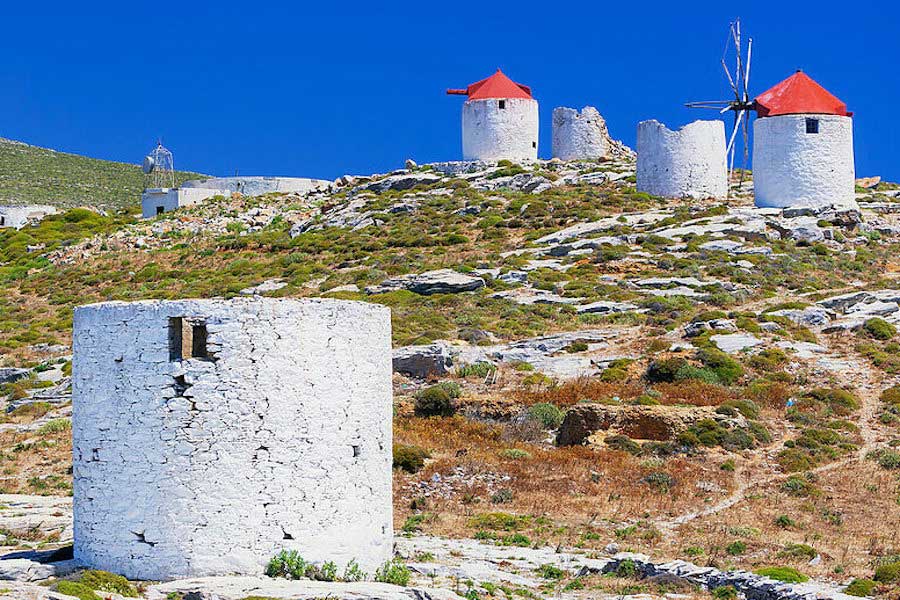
577, 365
34, 175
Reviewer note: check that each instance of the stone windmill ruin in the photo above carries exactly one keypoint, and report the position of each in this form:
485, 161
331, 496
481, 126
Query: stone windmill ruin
802, 136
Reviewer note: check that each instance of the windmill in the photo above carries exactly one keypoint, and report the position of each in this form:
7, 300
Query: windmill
742, 104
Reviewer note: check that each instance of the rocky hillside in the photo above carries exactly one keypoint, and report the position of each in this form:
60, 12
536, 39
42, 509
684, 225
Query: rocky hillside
578, 366
32, 175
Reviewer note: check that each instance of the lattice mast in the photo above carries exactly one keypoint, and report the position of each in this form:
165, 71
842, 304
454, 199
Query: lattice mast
159, 167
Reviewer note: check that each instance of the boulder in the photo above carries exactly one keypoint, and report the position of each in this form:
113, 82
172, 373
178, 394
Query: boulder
423, 361
699, 327
639, 422
23, 569
400, 182
442, 281
233, 588
732, 343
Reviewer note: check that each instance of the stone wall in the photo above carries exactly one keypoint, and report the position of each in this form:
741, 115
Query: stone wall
794, 168
255, 186
155, 201
579, 135
20, 216
492, 133
688, 163
210, 434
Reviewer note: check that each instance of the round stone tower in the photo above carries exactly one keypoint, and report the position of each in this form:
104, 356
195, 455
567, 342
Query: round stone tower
579, 135
210, 434
688, 163
802, 147
499, 120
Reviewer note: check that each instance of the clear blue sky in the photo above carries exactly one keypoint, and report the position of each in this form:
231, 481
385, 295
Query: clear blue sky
322, 89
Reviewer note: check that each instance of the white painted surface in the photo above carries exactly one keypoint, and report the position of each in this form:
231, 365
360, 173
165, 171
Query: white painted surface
795, 168
255, 186
283, 441
688, 163
158, 200
579, 135
20, 216
492, 133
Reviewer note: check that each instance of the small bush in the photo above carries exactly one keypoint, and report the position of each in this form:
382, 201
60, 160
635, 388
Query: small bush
287, 564
434, 401
548, 571
785, 522
664, 371
659, 481
860, 587
879, 329
798, 552
104, 581
78, 590
891, 395
888, 459
549, 415
736, 548
889, 573
726, 368
728, 465
725, 592
623, 443
627, 568
785, 574
393, 571
498, 521
55, 426
409, 458
514, 454
502, 497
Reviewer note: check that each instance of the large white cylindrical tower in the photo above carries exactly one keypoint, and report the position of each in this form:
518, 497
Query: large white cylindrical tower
688, 163
802, 147
210, 434
499, 120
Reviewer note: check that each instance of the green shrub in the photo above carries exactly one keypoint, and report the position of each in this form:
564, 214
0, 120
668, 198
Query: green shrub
503, 496
798, 552
393, 571
514, 454
785, 574
516, 539
435, 401
548, 415
352, 572
725, 592
55, 426
860, 587
104, 581
726, 368
479, 369
736, 548
287, 564
548, 571
659, 481
879, 329
627, 568
623, 443
785, 522
891, 395
798, 486
728, 465
498, 521
889, 573
664, 371
78, 590
409, 458
840, 401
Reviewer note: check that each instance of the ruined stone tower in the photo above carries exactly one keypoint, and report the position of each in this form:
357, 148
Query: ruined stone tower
802, 147
688, 163
210, 434
579, 135
499, 120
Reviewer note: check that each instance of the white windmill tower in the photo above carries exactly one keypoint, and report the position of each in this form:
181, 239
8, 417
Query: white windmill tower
159, 166
742, 103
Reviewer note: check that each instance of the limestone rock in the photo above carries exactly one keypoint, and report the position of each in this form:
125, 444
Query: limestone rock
236, 588
697, 328
10, 375
735, 342
423, 361
401, 182
23, 569
442, 281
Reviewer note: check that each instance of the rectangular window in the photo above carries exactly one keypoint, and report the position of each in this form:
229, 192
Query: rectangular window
502, 104
534, 144
160, 210
187, 338
812, 126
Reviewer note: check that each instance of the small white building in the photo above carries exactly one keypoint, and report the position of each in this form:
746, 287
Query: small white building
499, 120
579, 135
802, 147
20, 216
688, 163
155, 201
208, 435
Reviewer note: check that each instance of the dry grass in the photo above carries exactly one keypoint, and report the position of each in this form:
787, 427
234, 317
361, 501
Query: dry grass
577, 390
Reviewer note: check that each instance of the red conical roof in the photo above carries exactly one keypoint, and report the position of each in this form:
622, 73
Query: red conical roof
497, 85
799, 94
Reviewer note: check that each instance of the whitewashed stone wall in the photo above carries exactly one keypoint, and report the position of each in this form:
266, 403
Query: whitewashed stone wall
255, 186
795, 168
20, 216
492, 133
688, 163
281, 438
155, 201
579, 135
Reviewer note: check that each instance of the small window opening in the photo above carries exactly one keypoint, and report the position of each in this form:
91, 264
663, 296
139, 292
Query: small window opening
534, 144
160, 210
355, 451
812, 126
2, 221
187, 338
502, 104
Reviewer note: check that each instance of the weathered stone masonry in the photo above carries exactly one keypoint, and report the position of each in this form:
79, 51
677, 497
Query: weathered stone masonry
209, 434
